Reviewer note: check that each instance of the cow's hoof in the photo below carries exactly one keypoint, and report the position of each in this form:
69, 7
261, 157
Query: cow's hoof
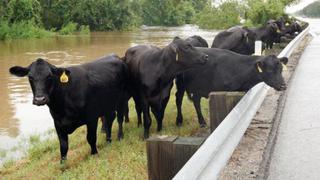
63, 160
203, 125
93, 152
108, 141
120, 137
145, 135
179, 124
126, 120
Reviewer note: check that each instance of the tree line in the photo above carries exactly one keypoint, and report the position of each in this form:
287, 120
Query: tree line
312, 10
37, 18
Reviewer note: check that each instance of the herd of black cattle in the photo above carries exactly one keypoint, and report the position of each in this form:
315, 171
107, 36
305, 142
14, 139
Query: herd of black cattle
79, 95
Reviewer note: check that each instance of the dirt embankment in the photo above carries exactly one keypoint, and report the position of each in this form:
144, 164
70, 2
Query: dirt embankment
250, 158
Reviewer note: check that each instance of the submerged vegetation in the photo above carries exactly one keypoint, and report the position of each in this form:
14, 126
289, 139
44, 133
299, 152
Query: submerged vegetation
40, 18
23, 29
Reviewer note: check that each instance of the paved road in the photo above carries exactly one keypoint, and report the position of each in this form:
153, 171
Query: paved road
297, 150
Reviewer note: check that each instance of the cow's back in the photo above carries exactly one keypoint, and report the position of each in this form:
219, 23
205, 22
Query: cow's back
228, 39
141, 60
220, 73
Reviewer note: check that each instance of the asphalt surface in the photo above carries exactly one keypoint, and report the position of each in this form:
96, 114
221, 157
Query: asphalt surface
296, 153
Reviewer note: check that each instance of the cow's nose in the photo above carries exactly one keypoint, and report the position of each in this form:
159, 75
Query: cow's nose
283, 87
40, 98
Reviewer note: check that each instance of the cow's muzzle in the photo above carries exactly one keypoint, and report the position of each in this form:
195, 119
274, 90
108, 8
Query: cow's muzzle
282, 87
40, 100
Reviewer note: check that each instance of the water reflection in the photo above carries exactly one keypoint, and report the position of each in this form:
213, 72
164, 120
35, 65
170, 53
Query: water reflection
18, 117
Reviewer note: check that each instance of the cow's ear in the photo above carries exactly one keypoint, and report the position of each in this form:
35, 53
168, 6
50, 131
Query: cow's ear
176, 38
284, 60
19, 71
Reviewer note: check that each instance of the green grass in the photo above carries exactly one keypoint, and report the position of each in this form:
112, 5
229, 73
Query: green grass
3, 153
125, 159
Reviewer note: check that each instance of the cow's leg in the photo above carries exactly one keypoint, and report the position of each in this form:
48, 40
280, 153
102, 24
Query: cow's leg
126, 112
92, 134
156, 110
196, 102
179, 99
146, 116
63, 140
120, 113
109, 118
160, 117
138, 107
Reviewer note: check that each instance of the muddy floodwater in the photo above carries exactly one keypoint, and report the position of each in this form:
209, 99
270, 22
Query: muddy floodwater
18, 117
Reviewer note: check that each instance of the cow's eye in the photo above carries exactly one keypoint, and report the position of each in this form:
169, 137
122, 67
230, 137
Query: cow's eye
49, 78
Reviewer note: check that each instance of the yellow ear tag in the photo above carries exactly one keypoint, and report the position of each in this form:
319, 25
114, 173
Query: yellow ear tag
64, 78
259, 69
287, 24
284, 67
278, 31
177, 56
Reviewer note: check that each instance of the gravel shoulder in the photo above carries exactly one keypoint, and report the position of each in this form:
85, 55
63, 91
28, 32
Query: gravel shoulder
251, 157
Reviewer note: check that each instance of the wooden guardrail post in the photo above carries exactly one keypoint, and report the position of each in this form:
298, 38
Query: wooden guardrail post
159, 154
184, 148
167, 155
220, 104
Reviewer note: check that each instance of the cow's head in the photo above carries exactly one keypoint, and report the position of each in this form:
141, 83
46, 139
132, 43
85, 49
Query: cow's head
297, 27
43, 77
281, 23
186, 54
249, 38
274, 31
270, 69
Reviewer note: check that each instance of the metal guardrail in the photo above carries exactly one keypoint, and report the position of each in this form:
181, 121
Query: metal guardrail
213, 155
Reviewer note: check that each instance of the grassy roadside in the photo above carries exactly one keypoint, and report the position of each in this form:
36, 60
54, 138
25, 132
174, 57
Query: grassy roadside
124, 159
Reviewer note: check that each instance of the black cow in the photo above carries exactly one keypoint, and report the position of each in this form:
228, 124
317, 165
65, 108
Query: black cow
268, 34
237, 39
151, 74
291, 29
280, 23
227, 71
78, 95
197, 41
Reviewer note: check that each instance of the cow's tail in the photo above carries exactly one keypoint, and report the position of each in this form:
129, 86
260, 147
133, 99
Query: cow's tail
180, 84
